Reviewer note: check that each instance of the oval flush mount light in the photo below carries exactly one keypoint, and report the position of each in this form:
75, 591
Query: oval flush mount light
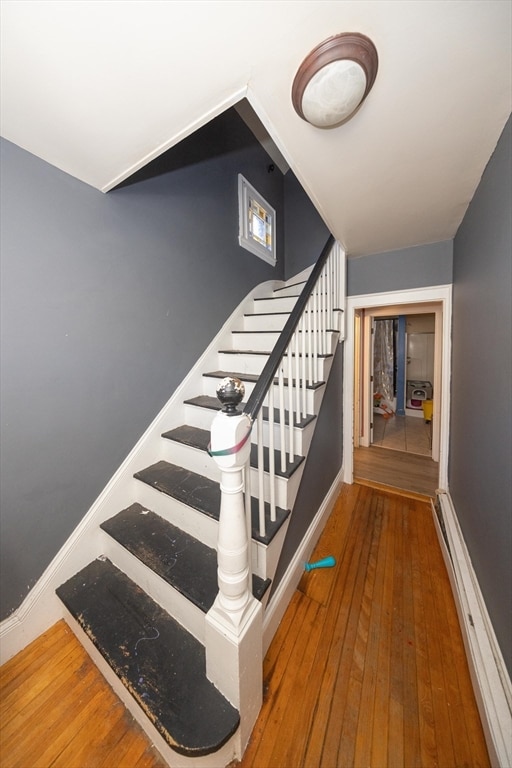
334, 79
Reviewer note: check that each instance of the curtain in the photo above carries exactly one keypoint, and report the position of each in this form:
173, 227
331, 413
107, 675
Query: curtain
383, 359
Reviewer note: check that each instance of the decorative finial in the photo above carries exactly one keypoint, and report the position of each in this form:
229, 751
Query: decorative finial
230, 392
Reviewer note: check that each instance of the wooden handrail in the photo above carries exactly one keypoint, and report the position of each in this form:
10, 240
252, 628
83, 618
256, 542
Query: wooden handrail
257, 396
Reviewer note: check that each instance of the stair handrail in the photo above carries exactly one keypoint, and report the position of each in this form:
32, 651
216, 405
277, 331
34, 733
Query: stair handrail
266, 378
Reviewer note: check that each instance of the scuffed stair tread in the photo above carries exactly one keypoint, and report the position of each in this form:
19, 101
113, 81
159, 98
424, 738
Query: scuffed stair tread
203, 494
158, 661
192, 489
200, 438
181, 560
213, 404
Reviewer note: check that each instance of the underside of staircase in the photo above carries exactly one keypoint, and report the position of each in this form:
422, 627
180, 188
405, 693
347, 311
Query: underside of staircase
140, 605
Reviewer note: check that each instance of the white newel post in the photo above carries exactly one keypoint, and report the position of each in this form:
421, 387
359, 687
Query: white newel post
233, 638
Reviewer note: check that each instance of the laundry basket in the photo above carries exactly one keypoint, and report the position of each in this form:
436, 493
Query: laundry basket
428, 407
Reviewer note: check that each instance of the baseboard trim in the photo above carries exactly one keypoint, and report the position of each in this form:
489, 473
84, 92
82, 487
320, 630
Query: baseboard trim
288, 584
491, 682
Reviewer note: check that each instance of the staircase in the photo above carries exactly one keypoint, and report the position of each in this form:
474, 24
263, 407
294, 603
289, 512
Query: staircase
140, 605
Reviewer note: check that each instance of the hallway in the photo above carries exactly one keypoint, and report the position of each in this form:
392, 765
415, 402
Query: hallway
368, 665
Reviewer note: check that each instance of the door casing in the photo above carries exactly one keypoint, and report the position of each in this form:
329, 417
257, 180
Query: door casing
417, 297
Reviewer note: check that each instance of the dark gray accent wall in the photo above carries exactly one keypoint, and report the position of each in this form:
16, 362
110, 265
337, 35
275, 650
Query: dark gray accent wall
305, 231
480, 471
107, 302
323, 464
417, 267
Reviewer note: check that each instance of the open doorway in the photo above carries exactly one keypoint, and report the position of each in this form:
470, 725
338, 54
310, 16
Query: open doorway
398, 393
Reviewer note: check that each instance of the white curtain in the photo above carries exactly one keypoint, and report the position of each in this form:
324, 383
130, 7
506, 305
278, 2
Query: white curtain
383, 359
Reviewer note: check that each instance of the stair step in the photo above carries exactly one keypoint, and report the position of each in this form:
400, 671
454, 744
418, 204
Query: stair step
253, 378
182, 561
200, 439
158, 661
213, 404
203, 494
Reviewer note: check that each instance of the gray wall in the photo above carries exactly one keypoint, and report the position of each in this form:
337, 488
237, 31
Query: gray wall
107, 302
305, 231
480, 473
415, 267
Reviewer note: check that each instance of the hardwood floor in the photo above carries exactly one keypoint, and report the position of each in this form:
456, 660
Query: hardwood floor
400, 470
368, 666
57, 710
366, 669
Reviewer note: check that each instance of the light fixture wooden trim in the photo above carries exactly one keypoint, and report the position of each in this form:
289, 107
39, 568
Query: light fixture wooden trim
351, 46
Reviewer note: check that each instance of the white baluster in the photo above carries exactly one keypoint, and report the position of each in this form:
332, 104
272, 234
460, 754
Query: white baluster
272, 462
282, 422
261, 491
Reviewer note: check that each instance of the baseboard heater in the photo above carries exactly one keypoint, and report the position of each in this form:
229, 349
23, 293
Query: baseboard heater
491, 681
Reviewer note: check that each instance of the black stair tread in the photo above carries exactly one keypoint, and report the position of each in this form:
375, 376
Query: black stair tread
200, 439
187, 435
213, 404
300, 285
158, 661
253, 378
265, 314
202, 494
190, 488
182, 561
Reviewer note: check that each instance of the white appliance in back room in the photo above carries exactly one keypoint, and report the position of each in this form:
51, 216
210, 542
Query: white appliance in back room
420, 361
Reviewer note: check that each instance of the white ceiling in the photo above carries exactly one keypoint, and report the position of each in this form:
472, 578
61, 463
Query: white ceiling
100, 87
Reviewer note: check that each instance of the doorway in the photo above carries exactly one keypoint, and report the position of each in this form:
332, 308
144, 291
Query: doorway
428, 311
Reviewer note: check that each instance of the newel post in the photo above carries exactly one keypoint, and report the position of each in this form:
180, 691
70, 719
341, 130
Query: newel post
234, 626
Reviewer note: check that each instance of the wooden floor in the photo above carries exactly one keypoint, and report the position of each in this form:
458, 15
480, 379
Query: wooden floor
57, 710
400, 470
367, 667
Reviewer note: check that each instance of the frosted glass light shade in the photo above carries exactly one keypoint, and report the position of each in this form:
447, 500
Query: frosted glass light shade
334, 79
334, 93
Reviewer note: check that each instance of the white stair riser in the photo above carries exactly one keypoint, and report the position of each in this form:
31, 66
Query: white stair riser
265, 558
260, 341
242, 362
301, 437
277, 304
199, 417
265, 322
185, 612
193, 522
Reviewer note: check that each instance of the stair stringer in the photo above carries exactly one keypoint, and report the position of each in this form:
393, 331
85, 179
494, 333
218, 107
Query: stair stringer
41, 608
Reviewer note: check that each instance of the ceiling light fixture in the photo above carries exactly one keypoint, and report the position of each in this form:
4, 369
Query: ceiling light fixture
334, 79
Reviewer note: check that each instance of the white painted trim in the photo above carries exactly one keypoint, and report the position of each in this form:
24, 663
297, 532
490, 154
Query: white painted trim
288, 584
491, 682
230, 101
41, 607
437, 293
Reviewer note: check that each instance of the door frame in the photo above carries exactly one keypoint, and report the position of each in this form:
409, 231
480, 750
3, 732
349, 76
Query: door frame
439, 293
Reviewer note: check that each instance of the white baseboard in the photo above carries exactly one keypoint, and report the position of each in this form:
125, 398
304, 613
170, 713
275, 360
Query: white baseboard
491, 682
288, 584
